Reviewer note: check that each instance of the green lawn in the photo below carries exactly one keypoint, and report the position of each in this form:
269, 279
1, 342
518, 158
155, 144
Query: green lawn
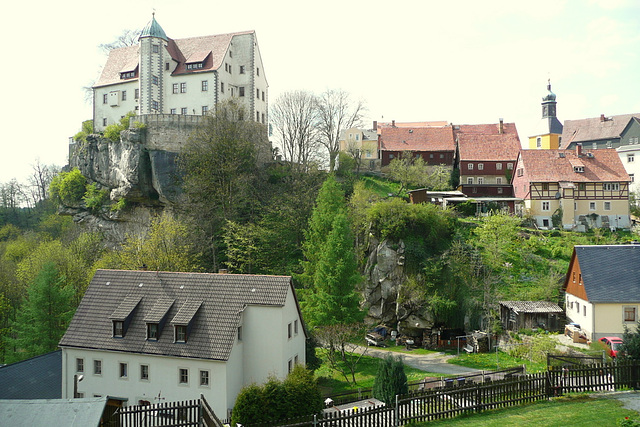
493, 361
577, 410
332, 382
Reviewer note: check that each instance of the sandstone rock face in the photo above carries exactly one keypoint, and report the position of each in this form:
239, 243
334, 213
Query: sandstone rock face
384, 280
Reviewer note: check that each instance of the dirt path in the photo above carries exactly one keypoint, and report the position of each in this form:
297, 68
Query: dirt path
433, 362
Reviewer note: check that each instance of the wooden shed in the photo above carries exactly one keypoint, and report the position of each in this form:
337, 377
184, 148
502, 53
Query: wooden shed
516, 315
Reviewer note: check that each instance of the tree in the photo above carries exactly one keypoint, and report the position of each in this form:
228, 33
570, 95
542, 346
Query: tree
165, 247
390, 380
338, 345
128, 37
333, 298
294, 116
219, 166
630, 347
44, 315
329, 203
337, 113
413, 171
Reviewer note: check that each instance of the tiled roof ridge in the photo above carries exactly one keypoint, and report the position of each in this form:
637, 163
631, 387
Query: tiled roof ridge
194, 272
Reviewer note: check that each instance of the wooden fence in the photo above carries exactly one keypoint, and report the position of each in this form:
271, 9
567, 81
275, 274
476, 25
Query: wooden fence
471, 397
186, 413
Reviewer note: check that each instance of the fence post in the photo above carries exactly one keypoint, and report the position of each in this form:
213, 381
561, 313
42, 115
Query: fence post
397, 413
315, 420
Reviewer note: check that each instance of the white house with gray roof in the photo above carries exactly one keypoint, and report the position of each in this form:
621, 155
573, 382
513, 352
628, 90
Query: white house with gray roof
187, 76
602, 289
149, 337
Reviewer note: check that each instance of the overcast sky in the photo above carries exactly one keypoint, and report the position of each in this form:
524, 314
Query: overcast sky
463, 62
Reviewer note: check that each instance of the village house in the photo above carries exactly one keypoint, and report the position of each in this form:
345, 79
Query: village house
362, 144
602, 291
147, 337
435, 144
486, 155
579, 189
160, 75
621, 132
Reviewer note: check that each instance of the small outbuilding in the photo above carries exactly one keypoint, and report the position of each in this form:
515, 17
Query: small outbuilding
516, 315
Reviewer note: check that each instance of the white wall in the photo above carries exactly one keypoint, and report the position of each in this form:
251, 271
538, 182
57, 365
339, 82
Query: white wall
163, 378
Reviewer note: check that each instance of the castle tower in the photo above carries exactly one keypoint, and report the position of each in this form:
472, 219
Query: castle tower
153, 66
549, 131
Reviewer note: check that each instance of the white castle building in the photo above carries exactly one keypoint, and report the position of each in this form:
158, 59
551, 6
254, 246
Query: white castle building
188, 76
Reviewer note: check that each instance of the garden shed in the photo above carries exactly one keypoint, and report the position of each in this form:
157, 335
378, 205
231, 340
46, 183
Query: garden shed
516, 315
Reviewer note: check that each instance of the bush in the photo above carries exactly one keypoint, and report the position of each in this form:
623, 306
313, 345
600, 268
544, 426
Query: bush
94, 198
87, 129
112, 131
276, 400
119, 205
68, 187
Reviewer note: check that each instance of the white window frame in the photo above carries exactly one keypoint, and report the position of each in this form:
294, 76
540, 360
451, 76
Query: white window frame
592, 206
470, 180
97, 367
607, 206
499, 166
208, 378
630, 157
470, 166
123, 370
480, 166
79, 365
546, 206
142, 372
181, 371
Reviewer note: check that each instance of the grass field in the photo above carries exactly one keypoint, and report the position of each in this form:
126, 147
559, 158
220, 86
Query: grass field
576, 410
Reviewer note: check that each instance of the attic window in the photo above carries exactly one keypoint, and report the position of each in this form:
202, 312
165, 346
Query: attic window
127, 75
195, 66
155, 319
122, 315
183, 320
152, 331
180, 333
118, 329
579, 169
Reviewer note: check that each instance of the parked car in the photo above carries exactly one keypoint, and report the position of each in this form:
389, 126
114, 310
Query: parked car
613, 344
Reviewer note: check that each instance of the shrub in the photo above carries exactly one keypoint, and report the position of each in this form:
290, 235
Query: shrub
390, 380
68, 187
87, 129
94, 198
112, 131
119, 205
276, 400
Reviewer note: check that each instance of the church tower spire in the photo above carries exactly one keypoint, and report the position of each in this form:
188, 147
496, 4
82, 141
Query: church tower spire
548, 133
154, 59
549, 103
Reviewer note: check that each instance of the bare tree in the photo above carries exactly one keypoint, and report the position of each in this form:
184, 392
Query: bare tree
12, 194
336, 113
127, 38
295, 118
40, 179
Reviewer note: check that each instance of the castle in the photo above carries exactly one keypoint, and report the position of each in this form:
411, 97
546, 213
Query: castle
187, 76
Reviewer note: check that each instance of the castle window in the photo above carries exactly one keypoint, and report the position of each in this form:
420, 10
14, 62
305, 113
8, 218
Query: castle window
79, 365
155, 48
183, 111
173, 111
155, 105
175, 88
241, 91
195, 66
257, 116
97, 367
105, 98
205, 109
257, 71
480, 180
183, 88
263, 95
242, 69
221, 87
166, 66
631, 177
127, 75
262, 118
124, 95
258, 94
136, 94
205, 85
104, 121
155, 80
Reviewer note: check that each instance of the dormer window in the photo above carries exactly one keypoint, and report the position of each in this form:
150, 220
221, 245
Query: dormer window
195, 66
118, 329
578, 169
127, 75
152, 331
180, 333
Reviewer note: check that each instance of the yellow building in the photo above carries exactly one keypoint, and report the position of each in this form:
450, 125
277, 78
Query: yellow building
548, 134
362, 144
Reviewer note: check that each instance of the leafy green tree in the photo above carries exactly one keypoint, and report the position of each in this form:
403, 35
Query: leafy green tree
166, 247
86, 130
302, 393
94, 198
219, 166
329, 203
390, 380
44, 315
68, 187
113, 130
333, 298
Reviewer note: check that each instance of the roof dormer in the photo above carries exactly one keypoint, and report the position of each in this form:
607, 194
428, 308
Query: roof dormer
157, 317
121, 317
183, 320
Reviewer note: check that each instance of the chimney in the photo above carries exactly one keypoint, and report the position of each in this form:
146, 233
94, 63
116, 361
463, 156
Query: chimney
375, 125
579, 150
393, 123
501, 126
602, 118
223, 271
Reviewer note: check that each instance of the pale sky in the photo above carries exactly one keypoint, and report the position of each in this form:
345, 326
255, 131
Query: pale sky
465, 62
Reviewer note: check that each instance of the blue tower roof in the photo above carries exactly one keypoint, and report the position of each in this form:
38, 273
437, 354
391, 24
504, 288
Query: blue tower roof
153, 29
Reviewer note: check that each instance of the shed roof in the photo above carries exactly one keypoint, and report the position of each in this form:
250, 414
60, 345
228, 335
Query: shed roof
37, 378
64, 412
532, 306
610, 273
211, 303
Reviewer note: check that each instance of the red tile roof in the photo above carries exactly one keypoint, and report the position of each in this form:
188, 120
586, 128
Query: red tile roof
595, 128
487, 129
179, 50
549, 166
417, 139
381, 125
501, 147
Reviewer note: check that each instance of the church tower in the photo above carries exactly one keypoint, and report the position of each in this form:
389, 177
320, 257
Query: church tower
153, 52
549, 131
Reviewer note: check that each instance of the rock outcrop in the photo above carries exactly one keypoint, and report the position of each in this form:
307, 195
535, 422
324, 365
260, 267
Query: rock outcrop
385, 280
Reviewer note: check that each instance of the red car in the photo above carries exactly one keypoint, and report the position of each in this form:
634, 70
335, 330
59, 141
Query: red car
613, 343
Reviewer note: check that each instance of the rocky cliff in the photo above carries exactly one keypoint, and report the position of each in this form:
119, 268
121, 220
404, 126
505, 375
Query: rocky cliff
386, 289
